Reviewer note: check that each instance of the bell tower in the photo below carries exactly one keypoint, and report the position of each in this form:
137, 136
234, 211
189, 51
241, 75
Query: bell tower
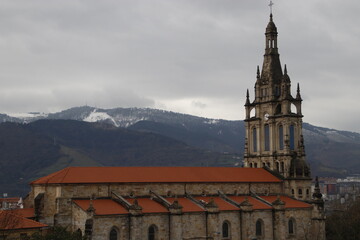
273, 123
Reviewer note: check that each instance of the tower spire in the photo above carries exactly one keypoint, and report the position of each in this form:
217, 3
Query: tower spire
247, 98
271, 70
298, 95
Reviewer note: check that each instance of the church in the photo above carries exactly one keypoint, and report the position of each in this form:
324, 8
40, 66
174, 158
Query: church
269, 198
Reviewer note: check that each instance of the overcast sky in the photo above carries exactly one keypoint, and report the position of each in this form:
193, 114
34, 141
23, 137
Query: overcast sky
190, 56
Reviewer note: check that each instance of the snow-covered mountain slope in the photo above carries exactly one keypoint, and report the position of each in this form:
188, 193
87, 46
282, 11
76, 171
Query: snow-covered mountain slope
324, 146
126, 117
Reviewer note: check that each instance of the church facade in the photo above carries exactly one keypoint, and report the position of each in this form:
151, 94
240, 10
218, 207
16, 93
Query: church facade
268, 199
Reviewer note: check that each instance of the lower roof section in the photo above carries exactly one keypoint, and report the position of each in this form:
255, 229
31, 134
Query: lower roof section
10, 220
188, 204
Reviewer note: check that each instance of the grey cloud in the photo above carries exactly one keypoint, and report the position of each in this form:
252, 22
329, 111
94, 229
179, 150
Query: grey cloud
174, 54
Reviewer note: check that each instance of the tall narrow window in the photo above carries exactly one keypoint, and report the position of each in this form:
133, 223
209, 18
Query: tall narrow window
281, 137
152, 233
267, 137
113, 234
291, 226
259, 228
88, 227
292, 137
278, 166
254, 140
226, 230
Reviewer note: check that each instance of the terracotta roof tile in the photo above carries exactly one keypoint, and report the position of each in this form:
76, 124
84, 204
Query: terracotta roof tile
148, 205
289, 202
102, 206
25, 212
156, 174
10, 220
10, 200
222, 204
257, 204
187, 204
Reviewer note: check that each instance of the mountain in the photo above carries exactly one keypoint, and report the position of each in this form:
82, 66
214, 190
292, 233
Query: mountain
330, 152
29, 151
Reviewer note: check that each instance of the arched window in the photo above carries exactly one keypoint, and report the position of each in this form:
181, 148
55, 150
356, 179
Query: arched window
281, 137
259, 228
278, 107
300, 192
113, 234
282, 167
292, 137
226, 229
291, 226
88, 227
307, 192
254, 137
267, 137
251, 165
255, 165
278, 166
152, 232
292, 191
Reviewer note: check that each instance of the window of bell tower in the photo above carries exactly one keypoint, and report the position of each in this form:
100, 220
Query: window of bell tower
281, 137
267, 138
292, 137
254, 137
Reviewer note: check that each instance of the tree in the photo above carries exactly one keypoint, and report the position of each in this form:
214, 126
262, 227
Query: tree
344, 224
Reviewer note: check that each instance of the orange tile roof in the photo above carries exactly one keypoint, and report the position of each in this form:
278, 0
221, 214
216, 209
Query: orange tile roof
148, 205
25, 212
10, 220
102, 206
256, 203
222, 204
187, 204
289, 202
10, 200
156, 174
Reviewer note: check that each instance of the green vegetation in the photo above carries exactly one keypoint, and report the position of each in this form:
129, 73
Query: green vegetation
344, 224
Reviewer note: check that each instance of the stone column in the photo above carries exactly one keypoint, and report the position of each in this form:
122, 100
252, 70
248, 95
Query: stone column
175, 231
213, 229
279, 221
247, 225
136, 221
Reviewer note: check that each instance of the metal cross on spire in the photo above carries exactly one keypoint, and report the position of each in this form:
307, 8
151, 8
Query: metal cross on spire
270, 5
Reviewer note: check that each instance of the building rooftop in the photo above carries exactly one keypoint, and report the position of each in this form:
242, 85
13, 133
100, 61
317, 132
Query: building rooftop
257, 204
221, 203
289, 202
187, 204
156, 175
102, 206
9, 220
